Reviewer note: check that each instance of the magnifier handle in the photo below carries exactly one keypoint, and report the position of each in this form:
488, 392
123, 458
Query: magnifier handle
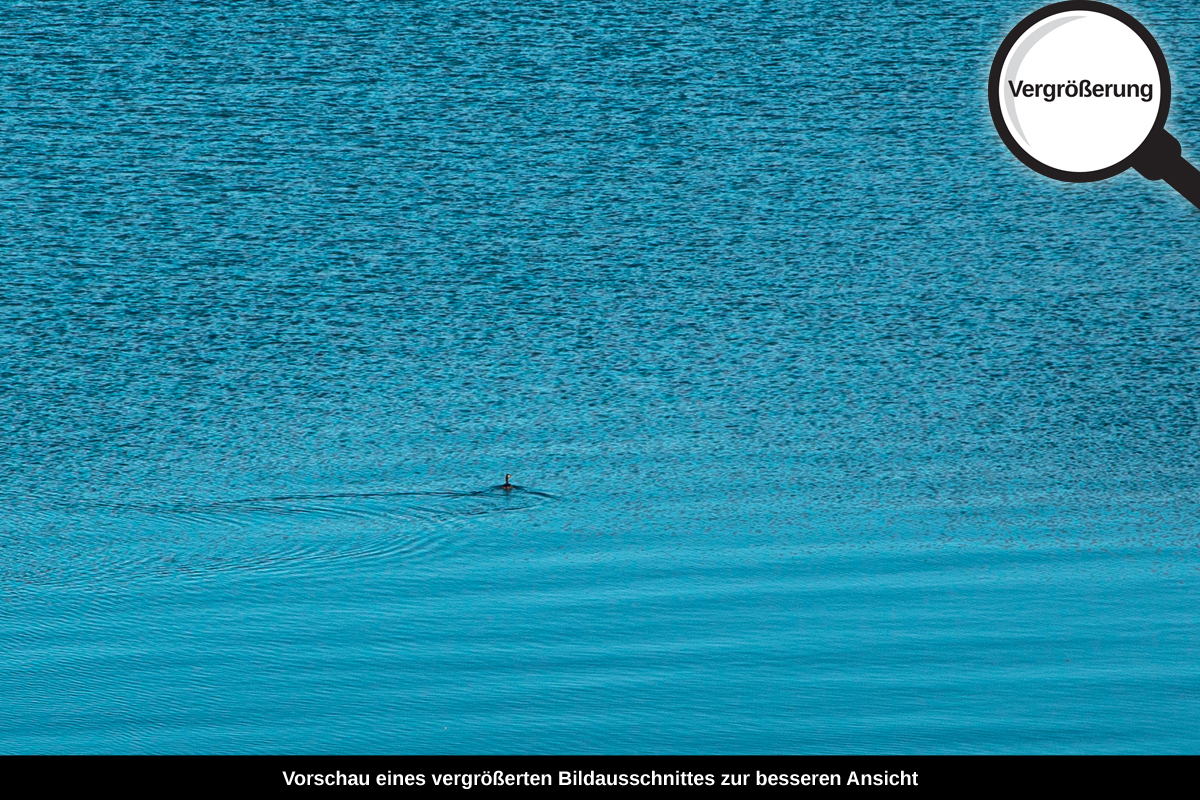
1160, 158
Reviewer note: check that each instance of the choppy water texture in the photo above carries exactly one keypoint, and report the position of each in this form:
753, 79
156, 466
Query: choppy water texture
837, 429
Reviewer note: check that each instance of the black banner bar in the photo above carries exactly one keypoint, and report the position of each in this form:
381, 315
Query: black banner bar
545, 775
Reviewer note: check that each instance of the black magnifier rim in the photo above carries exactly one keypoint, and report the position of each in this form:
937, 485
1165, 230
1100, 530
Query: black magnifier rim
1011, 40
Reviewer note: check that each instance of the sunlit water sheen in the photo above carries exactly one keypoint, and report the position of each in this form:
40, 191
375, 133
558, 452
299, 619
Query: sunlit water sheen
836, 429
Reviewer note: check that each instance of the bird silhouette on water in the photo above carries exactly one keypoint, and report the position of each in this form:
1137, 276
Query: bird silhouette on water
507, 485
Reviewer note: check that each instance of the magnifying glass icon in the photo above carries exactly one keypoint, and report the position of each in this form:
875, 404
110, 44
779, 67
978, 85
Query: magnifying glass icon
1079, 92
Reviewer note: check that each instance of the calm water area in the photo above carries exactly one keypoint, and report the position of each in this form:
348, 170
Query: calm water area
835, 428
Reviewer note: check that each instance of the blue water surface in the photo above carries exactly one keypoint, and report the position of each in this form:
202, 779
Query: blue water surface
836, 428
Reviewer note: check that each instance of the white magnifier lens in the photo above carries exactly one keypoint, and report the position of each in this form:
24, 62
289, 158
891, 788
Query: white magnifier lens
1079, 91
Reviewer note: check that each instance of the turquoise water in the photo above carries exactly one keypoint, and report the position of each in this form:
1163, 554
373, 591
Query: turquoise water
837, 429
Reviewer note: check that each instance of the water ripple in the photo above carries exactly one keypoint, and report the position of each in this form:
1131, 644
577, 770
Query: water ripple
72, 542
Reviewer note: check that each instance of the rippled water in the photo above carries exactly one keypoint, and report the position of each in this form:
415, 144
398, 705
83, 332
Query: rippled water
835, 428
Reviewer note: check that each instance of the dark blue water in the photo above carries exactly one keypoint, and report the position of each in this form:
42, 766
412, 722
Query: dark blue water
837, 429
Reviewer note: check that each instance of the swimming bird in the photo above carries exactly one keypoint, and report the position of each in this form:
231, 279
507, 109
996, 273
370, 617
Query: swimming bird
507, 486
